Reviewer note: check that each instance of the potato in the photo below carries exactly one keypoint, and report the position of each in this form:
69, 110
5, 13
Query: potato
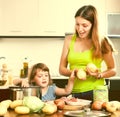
6, 103
81, 74
3, 110
16, 103
49, 108
22, 110
112, 106
92, 67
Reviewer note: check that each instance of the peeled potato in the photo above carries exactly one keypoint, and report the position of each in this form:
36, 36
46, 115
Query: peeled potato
3, 110
49, 108
112, 106
92, 67
81, 74
6, 103
16, 103
22, 110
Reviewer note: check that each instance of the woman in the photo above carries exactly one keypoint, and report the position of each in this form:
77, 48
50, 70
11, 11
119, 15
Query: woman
83, 47
40, 76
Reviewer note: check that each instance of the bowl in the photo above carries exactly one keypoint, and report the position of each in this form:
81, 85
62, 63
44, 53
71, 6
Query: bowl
2, 82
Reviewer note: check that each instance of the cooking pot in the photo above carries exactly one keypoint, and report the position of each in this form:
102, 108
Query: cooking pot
17, 92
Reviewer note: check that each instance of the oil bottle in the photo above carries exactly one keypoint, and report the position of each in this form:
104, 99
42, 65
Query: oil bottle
25, 67
24, 70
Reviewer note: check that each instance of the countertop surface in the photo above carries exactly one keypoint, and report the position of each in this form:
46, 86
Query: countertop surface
114, 78
59, 113
11, 113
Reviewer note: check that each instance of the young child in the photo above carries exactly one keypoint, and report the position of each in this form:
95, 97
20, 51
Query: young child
40, 76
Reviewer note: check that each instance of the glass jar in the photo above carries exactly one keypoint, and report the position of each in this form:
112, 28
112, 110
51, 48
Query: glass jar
100, 93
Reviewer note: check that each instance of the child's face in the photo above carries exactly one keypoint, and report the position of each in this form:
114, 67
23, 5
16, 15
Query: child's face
41, 78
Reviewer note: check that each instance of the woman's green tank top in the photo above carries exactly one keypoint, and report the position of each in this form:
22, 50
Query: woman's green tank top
80, 60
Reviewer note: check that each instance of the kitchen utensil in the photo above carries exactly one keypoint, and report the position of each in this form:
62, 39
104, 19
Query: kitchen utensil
19, 92
82, 113
78, 102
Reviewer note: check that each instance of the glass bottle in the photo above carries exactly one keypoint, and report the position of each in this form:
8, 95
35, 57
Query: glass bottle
25, 67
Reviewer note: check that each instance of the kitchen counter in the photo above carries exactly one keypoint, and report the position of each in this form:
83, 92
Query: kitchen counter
59, 113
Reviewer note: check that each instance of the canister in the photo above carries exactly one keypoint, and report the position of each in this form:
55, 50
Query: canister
100, 93
16, 94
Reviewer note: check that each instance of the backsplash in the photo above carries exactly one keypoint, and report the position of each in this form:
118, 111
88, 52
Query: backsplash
46, 50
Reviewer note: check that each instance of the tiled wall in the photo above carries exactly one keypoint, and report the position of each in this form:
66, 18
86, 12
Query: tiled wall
46, 50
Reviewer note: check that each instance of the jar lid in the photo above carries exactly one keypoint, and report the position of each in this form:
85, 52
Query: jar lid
101, 87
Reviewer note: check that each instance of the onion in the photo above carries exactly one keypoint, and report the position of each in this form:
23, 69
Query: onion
97, 105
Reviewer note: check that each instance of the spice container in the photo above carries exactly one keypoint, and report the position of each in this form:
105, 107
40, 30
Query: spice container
100, 93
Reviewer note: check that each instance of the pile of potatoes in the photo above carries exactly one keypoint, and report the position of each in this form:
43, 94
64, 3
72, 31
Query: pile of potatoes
17, 105
4, 105
19, 108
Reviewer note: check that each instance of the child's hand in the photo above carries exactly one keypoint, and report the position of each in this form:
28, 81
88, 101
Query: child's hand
24, 82
73, 74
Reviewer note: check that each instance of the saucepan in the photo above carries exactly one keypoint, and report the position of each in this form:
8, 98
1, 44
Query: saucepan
17, 92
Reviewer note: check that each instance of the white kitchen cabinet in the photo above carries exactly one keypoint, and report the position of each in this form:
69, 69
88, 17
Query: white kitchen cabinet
18, 17
44, 17
51, 17
31, 18
71, 7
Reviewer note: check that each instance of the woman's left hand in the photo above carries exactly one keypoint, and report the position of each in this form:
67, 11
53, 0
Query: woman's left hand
95, 74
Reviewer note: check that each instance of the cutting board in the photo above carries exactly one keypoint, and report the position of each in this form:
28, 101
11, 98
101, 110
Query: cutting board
71, 107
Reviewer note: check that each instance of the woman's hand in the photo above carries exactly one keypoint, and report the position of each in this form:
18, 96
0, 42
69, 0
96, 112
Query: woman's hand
90, 73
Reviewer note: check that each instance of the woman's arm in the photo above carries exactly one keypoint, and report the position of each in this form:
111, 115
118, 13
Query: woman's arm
63, 61
110, 63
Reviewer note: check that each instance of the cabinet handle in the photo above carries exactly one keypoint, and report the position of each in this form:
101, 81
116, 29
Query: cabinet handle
15, 31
